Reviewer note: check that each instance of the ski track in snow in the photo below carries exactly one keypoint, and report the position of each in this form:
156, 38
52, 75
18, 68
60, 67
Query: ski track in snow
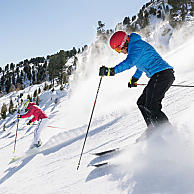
162, 164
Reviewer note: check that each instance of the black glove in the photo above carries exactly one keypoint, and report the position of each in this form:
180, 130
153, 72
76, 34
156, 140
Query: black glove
133, 82
29, 123
106, 71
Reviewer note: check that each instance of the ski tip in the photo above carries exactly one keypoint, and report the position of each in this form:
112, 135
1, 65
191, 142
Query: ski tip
14, 159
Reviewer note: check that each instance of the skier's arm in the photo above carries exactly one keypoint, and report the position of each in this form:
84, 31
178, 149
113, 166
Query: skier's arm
138, 74
124, 65
107, 71
28, 114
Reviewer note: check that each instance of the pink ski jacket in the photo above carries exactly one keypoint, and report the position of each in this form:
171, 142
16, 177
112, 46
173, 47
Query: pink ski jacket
36, 111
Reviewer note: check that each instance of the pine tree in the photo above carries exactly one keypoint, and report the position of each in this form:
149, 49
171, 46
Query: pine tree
3, 111
13, 79
100, 28
39, 90
17, 69
7, 67
19, 83
2, 83
126, 21
29, 97
62, 59
21, 103
12, 66
21, 94
4, 127
33, 77
74, 51
51, 86
133, 18
7, 85
45, 87
35, 95
52, 69
159, 14
37, 100
11, 107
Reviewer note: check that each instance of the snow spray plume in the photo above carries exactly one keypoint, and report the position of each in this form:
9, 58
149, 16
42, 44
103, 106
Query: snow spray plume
161, 164
86, 79
176, 45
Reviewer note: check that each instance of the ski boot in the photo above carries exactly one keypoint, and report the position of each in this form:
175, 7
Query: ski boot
38, 144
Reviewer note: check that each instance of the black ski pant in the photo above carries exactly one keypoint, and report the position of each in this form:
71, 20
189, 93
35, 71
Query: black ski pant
150, 101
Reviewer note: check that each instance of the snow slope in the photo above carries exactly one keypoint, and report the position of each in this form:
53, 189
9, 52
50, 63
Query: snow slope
162, 164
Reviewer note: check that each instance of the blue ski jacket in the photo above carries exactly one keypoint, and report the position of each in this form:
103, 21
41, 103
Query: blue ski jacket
142, 55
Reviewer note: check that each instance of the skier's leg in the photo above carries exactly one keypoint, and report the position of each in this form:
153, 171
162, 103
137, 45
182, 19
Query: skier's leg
37, 133
141, 105
38, 130
162, 82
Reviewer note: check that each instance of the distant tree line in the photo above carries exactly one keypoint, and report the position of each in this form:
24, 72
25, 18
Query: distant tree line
175, 10
14, 77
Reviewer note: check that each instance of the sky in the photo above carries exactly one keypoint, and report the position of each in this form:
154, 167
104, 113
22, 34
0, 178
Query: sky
43, 27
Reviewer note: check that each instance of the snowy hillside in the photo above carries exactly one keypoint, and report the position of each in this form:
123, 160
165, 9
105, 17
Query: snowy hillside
162, 164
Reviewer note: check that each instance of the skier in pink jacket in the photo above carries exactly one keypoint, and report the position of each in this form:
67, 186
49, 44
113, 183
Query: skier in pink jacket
39, 115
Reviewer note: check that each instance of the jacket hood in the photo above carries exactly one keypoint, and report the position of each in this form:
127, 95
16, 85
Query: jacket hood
133, 37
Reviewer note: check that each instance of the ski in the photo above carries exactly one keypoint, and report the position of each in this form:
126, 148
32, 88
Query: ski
29, 153
34, 151
105, 152
102, 158
15, 159
100, 164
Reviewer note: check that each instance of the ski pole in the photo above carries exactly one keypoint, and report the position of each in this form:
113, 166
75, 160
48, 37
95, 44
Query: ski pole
187, 86
55, 127
89, 124
16, 136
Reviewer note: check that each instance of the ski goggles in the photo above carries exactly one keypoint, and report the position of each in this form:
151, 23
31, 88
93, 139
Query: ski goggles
118, 49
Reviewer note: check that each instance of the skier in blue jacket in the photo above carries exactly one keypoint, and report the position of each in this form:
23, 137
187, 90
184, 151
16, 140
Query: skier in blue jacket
146, 59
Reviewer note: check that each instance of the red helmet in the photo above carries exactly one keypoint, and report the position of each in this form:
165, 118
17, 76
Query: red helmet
118, 39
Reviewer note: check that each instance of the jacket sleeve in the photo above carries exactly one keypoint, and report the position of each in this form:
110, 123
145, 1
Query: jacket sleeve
124, 65
33, 119
28, 114
138, 74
